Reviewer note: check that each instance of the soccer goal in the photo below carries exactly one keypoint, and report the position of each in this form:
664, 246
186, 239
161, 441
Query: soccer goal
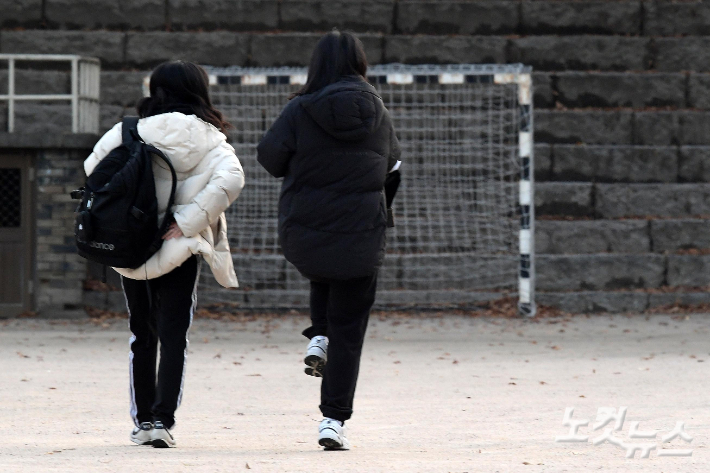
464, 213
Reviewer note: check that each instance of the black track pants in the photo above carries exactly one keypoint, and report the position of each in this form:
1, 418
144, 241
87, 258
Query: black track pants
340, 310
160, 309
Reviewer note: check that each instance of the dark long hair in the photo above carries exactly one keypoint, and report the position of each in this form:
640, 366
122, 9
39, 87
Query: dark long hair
336, 54
181, 86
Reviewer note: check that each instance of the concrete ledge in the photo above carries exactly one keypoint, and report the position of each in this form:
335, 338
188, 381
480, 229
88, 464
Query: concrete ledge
445, 49
683, 54
105, 45
594, 302
454, 17
599, 272
564, 198
82, 141
604, 53
619, 163
580, 17
592, 236
689, 270
97, 14
671, 19
673, 235
678, 298
652, 200
243, 15
322, 15
589, 302
584, 126
621, 89
27, 14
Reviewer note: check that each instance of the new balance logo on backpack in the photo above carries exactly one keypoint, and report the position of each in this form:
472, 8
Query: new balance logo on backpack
101, 246
117, 219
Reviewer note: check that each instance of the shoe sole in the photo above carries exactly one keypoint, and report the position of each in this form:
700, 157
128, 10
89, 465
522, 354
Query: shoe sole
160, 443
315, 367
331, 444
139, 442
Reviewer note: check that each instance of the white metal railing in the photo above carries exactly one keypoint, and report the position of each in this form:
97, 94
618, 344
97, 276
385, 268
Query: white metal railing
84, 96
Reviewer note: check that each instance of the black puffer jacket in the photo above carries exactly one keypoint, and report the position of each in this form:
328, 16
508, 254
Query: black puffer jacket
334, 149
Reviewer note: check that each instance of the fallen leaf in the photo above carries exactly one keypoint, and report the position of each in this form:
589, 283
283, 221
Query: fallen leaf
542, 382
22, 355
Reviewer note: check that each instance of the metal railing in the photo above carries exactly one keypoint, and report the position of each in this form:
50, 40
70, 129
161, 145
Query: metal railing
84, 96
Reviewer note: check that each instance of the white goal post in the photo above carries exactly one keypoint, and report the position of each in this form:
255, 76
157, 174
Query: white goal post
464, 214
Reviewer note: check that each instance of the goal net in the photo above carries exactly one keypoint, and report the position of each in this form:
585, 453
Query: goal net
464, 215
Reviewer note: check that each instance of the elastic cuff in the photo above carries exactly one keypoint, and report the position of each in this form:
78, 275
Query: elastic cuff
315, 331
337, 414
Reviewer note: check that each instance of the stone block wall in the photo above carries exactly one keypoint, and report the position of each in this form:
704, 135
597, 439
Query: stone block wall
622, 97
57, 164
60, 272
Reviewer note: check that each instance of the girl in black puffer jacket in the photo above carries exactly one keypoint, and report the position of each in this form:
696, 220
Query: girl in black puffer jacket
334, 145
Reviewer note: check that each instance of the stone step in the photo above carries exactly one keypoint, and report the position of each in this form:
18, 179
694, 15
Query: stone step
605, 272
592, 236
407, 16
638, 90
621, 236
622, 163
222, 47
585, 302
612, 201
622, 127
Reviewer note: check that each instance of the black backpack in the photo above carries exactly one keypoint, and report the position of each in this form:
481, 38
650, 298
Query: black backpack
117, 219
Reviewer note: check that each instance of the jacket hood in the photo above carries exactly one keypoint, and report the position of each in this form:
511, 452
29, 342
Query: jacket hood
185, 139
347, 110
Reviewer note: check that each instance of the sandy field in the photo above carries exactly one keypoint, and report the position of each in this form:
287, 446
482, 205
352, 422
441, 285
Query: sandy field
436, 394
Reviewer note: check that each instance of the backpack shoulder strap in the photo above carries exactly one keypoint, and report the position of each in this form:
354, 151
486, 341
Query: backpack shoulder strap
129, 130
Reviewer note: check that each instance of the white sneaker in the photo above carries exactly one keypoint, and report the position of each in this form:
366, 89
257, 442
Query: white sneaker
331, 435
141, 434
161, 437
316, 356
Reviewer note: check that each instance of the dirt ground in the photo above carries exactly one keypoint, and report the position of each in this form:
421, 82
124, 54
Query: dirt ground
436, 394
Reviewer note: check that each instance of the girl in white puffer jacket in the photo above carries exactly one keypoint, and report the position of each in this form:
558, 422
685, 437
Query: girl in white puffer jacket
179, 119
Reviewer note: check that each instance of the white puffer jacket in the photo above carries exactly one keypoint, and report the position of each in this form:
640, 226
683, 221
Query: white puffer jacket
210, 178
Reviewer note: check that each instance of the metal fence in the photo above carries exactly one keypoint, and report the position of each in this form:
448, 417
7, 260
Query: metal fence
84, 95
